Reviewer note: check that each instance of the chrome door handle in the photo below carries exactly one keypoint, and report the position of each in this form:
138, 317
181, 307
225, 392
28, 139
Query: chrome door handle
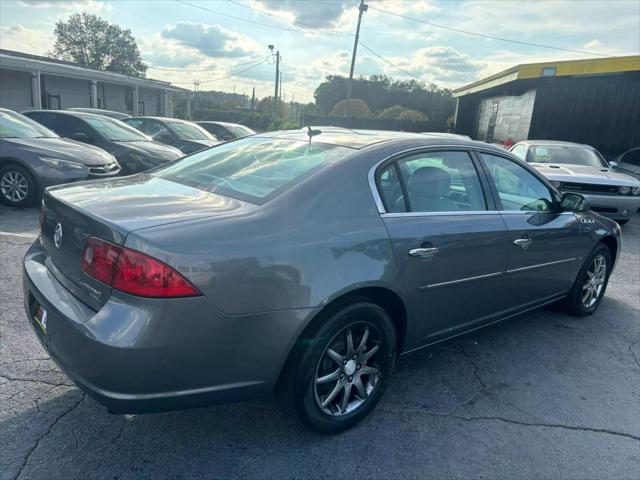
523, 242
425, 253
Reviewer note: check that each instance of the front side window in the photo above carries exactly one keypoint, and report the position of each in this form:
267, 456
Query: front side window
520, 151
435, 182
517, 188
254, 168
632, 158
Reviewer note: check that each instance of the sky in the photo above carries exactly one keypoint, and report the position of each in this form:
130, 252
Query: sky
224, 43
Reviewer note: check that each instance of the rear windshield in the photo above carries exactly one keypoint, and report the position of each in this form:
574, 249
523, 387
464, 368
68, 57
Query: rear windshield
14, 125
253, 169
114, 130
564, 154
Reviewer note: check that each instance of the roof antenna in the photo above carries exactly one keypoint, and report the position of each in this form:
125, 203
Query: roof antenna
312, 132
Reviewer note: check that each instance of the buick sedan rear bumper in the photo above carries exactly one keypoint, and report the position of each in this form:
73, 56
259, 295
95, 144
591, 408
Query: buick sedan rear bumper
139, 355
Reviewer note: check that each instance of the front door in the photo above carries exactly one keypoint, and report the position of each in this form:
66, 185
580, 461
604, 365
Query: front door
544, 251
448, 244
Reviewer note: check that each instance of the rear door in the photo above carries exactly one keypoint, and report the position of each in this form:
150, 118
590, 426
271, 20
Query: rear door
545, 245
448, 240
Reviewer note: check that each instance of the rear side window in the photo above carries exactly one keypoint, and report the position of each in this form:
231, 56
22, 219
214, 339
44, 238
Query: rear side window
253, 169
433, 182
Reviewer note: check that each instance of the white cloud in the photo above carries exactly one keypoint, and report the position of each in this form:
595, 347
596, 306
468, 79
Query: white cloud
23, 39
211, 40
92, 6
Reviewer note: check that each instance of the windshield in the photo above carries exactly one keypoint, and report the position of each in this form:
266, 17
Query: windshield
241, 131
189, 131
565, 154
115, 130
253, 168
14, 125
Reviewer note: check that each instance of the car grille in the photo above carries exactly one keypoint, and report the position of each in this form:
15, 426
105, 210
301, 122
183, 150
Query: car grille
107, 169
591, 188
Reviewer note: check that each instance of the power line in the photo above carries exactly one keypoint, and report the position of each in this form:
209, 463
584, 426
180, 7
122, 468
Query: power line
314, 27
390, 62
234, 74
268, 25
209, 69
457, 30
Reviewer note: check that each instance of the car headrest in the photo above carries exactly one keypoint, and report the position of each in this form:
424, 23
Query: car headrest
430, 182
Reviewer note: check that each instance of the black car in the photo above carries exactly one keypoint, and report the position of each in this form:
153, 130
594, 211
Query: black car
226, 131
185, 136
134, 151
100, 111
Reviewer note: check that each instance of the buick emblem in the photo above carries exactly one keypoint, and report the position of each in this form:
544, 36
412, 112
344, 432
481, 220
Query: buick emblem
57, 235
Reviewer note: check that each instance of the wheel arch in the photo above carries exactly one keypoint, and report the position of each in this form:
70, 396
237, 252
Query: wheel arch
612, 244
384, 297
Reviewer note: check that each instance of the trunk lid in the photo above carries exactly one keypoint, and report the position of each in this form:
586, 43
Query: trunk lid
110, 210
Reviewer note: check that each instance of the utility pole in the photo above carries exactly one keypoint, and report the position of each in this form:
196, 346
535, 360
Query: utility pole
253, 99
362, 8
280, 85
196, 87
275, 95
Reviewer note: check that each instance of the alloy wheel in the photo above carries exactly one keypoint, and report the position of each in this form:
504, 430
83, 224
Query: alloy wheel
348, 373
594, 283
14, 186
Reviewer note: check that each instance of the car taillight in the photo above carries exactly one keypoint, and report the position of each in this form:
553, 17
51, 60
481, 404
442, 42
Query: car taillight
133, 272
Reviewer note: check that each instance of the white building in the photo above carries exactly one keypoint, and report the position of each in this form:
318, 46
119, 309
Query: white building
34, 82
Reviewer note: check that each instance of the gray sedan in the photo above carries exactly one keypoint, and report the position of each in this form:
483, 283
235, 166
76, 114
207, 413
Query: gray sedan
33, 157
303, 260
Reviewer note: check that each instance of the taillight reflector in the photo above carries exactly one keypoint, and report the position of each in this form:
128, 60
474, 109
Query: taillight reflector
133, 272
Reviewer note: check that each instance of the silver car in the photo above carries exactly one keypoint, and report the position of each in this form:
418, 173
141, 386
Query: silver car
303, 260
573, 167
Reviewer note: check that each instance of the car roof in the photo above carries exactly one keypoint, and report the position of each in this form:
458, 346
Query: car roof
160, 119
70, 113
555, 143
98, 111
358, 139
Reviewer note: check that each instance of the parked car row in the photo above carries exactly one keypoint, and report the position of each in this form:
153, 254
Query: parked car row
40, 148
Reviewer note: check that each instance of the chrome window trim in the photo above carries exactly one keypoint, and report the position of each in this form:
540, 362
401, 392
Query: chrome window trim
461, 280
467, 212
539, 265
425, 148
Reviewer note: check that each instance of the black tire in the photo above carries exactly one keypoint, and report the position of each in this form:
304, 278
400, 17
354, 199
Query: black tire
299, 389
15, 171
574, 303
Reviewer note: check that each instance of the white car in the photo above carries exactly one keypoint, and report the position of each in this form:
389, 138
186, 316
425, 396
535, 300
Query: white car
573, 167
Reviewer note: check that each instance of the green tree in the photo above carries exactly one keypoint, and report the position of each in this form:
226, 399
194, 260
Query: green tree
414, 115
391, 113
357, 108
92, 42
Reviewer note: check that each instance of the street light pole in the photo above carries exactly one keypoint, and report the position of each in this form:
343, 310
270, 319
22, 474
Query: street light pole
275, 95
362, 8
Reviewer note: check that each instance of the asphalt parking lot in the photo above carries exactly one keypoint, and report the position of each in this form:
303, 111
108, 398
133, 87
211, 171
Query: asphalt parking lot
541, 396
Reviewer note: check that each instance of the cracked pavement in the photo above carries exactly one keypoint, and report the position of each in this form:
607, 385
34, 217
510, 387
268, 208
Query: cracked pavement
544, 395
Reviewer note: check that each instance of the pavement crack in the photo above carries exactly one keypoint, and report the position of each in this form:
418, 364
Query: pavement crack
548, 425
47, 432
32, 380
633, 354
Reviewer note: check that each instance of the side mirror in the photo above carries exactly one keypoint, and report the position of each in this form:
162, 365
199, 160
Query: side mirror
81, 137
613, 164
163, 137
574, 202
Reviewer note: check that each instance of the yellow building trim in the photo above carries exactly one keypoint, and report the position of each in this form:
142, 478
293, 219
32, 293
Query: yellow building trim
591, 66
